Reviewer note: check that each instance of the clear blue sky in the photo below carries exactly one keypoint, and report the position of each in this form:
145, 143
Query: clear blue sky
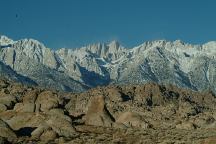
73, 23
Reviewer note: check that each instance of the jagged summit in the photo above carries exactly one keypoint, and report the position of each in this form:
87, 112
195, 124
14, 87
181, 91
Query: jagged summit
114, 43
161, 61
31, 42
5, 40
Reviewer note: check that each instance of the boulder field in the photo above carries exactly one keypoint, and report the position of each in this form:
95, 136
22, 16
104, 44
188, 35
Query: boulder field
149, 113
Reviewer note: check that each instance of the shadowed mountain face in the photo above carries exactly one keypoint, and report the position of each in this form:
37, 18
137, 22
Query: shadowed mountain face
163, 62
149, 113
8, 73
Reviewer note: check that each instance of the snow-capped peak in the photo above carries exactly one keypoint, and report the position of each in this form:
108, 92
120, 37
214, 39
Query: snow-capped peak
175, 62
5, 40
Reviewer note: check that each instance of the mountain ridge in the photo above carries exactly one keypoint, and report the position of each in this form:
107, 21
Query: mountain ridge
161, 61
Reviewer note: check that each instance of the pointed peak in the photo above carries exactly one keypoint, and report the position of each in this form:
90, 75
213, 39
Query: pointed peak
114, 42
114, 45
179, 42
4, 40
31, 43
30, 40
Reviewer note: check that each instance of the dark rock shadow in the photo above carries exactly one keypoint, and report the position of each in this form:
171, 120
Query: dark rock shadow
26, 131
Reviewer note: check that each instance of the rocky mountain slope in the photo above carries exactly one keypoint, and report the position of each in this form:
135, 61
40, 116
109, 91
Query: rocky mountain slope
28, 58
164, 62
149, 113
8, 73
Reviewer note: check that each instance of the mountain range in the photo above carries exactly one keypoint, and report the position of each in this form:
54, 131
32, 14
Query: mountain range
164, 62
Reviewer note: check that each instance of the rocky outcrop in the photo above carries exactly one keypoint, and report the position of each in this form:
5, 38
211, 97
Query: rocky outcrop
97, 113
32, 112
7, 132
47, 100
148, 113
133, 120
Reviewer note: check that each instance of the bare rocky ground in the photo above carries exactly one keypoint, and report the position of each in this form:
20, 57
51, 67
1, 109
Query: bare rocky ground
133, 114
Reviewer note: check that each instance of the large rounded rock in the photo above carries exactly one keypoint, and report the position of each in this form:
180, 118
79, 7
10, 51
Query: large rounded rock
22, 120
30, 96
44, 133
61, 126
24, 107
97, 113
60, 114
6, 132
130, 119
39, 131
7, 100
47, 100
48, 135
